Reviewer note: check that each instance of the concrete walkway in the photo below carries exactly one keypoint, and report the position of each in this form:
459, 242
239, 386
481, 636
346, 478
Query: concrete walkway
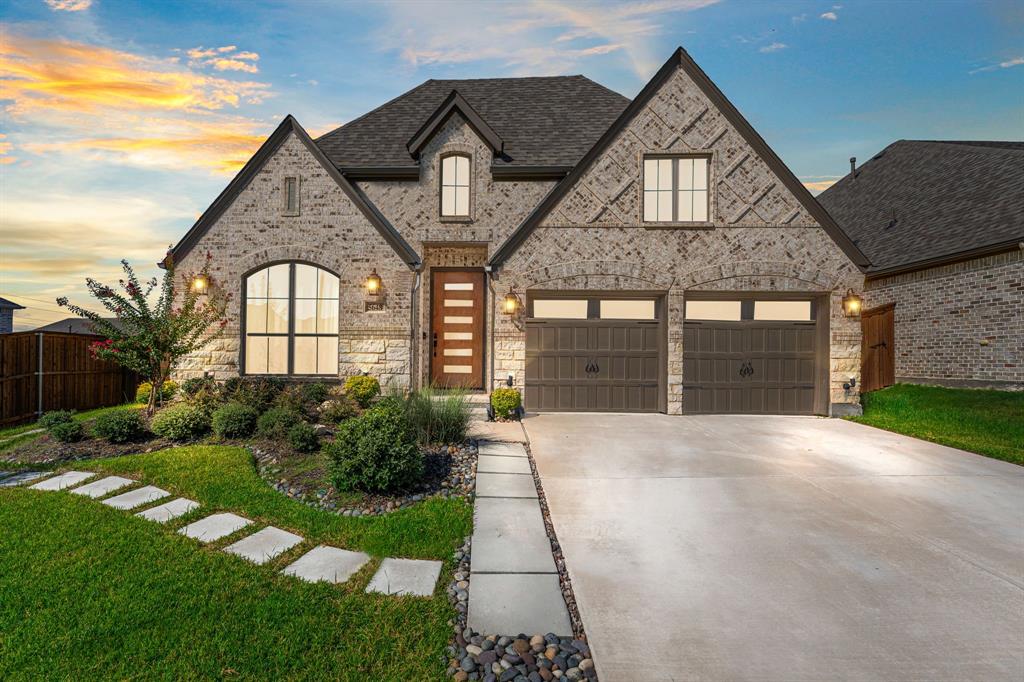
513, 585
405, 577
784, 548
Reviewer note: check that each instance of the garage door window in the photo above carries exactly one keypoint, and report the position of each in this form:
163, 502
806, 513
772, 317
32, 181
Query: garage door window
792, 311
560, 308
726, 311
627, 309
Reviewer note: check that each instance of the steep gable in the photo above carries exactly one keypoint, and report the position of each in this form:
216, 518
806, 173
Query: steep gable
681, 111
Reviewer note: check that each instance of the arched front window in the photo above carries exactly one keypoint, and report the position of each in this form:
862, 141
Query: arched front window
291, 320
455, 186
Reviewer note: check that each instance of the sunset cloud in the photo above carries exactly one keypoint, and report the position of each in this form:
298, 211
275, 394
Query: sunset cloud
816, 187
222, 59
5, 151
69, 5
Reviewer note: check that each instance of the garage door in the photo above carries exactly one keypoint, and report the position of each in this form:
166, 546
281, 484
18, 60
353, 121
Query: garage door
752, 356
594, 354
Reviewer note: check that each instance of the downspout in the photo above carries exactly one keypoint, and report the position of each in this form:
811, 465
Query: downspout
413, 308
490, 285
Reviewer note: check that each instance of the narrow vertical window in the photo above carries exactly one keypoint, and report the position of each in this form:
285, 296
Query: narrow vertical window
455, 186
676, 190
291, 195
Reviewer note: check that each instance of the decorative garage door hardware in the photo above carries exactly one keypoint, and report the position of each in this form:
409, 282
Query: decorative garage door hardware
593, 368
746, 370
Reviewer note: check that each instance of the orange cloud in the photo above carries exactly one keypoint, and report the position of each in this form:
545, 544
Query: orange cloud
51, 75
221, 58
5, 150
819, 186
232, 65
69, 5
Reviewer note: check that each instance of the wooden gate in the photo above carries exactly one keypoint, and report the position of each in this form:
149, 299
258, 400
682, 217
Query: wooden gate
878, 352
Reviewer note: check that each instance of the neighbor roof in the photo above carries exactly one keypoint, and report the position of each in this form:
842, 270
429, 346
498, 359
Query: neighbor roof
74, 325
920, 202
545, 121
5, 304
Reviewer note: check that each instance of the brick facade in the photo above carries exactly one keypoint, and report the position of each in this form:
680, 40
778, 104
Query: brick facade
958, 324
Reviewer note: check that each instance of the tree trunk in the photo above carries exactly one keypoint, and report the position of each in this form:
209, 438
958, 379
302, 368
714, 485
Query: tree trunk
157, 383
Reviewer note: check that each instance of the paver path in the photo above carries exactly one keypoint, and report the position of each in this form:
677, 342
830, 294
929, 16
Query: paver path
406, 577
513, 585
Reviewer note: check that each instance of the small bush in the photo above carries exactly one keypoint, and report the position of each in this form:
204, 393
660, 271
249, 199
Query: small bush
316, 392
256, 392
275, 422
438, 417
363, 389
190, 387
376, 452
145, 388
505, 401
183, 421
234, 420
293, 398
67, 432
303, 438
51, 419
119, 426
337, 410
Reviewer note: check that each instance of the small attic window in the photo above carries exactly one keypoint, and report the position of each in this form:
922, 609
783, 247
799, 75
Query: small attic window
291, 196
455, 186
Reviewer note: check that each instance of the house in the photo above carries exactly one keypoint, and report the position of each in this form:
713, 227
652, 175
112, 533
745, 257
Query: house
74, 325
943, 226
600, 253
7, 309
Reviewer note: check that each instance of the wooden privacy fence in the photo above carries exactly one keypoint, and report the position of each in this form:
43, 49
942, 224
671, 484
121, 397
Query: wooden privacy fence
43, 371
878, 352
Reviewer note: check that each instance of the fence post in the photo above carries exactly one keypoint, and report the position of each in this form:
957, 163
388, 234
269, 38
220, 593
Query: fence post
39, 376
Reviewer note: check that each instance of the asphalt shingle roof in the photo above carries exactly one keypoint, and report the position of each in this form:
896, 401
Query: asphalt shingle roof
543, 121
921, 200
73, 325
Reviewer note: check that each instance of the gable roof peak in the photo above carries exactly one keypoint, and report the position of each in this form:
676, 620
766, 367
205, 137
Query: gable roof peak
455, 102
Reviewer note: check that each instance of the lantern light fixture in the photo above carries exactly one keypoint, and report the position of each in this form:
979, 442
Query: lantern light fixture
373, 283
510, 304
200, 284
852, 304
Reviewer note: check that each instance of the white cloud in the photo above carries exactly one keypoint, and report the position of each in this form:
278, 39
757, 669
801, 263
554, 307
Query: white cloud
221, 59
69, 5
1007, 64
831, 16
774, 47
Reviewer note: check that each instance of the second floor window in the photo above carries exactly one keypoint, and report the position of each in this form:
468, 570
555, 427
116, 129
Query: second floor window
291, 196
455, 186
676, 190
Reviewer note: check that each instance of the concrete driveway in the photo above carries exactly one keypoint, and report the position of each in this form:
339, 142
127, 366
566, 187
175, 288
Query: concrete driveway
784, 548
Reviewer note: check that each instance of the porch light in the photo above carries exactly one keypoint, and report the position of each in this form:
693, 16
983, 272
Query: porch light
851, 304
373, 283
200, 284
510, 304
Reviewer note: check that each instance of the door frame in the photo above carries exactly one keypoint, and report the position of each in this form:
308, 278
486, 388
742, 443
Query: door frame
821, 311
661, 313
483, 325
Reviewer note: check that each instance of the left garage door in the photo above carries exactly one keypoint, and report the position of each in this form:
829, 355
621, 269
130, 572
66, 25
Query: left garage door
596, 354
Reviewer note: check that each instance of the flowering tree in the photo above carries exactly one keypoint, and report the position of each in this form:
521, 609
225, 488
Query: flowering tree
149, 338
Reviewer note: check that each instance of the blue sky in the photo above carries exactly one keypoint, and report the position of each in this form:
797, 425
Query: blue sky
122, 121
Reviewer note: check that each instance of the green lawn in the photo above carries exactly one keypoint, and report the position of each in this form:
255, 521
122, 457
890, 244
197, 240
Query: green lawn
16, 435
990, 423
92, 592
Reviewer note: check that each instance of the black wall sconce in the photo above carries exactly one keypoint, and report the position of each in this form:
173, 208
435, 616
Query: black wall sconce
852, 304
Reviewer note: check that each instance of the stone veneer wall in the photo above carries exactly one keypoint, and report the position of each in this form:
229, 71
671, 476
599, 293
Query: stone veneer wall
958, 324
329, 231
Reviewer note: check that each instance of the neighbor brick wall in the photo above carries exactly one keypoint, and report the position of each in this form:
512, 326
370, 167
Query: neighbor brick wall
329, 231
961, 322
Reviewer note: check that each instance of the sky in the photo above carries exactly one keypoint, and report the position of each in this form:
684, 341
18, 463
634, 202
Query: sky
122, 121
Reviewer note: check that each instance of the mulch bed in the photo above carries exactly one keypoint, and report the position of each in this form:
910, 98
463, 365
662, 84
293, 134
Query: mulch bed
45, 450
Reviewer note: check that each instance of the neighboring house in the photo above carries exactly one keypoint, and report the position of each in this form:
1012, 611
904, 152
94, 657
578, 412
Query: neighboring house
657, 254
7, 309
943, 226
73, 325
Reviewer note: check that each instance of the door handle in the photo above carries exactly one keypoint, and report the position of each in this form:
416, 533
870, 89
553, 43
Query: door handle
881, 344
435, 344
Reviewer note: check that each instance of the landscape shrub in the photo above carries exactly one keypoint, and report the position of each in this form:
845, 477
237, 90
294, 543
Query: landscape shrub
183, 421
362, 388
66, 432
302, 437
292, 398
438, 417
338, 409
505, 401
119, 426
234, 420
316, 392
190, 387
50, 419
376, 452
145, 388
256, 392
275, 422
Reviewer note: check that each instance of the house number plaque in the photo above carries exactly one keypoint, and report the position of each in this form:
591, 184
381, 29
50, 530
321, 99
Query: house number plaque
375, 306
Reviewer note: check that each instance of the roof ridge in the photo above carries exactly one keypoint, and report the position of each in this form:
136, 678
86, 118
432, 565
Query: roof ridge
375, 109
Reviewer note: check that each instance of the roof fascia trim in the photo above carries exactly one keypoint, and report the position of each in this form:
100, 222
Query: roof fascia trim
455, 102
958, 257
681, 59
256, 163
381, 172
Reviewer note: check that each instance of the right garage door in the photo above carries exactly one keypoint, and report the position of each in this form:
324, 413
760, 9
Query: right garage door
740, 357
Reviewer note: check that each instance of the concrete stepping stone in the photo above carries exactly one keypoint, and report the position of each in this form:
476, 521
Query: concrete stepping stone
413, 577
502, 449
169, 510
103, 486
505, 485
509, 537
136, 498
325, 563
517, 603
264, 545
214, 527
23, 477
495, 464
65, 480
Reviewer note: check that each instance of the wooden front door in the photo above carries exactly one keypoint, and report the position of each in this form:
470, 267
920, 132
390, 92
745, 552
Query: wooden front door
457, 329
878, 353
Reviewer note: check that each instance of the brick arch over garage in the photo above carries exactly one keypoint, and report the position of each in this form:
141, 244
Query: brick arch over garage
783, 275
638, 275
